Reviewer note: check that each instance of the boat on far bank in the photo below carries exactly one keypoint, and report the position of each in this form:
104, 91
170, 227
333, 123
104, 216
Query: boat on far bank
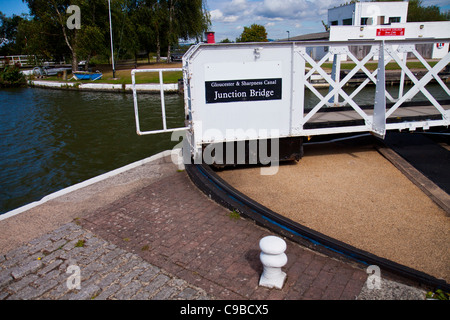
82, 75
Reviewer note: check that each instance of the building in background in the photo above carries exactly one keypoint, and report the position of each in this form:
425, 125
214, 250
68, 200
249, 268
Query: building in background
398, 31
378, 21
368, 13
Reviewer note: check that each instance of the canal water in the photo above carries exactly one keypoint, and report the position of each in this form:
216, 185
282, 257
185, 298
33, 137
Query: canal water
52, 139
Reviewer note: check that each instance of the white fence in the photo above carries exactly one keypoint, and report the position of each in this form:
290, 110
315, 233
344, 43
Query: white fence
21, 61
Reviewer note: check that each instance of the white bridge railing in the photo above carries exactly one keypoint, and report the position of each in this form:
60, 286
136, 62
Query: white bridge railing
384, 52
163, 104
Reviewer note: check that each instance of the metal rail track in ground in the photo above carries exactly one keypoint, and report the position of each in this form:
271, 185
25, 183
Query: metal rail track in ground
224, 194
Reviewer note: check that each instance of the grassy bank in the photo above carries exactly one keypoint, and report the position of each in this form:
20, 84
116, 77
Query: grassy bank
124, 76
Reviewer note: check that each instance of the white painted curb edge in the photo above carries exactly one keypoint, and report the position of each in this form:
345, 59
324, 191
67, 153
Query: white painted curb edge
88, 182
156, 87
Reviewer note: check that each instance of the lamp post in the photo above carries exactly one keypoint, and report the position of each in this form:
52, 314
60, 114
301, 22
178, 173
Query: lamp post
110, 32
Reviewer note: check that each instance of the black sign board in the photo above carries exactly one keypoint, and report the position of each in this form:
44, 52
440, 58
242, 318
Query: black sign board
243, 90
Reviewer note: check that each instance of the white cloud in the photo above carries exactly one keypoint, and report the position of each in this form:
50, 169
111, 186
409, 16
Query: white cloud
274, 9
235, 6
297, 16
281, 8
217, 15
295, 9
231, 19
239, 4
275, 19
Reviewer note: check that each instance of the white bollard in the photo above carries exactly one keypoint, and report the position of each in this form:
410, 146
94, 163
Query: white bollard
273, 259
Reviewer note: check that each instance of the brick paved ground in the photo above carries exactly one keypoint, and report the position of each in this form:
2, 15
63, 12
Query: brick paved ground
172, 225
169, 241
44, 269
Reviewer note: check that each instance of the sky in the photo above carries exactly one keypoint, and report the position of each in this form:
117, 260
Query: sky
229, 17
10, 7
278, 16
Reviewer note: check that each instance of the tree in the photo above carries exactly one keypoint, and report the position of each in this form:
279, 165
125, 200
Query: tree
137, 25
418, 13
125, 23
8, 34
254, 33
40, 40
158, 22
186, 19
51, 14
90, 39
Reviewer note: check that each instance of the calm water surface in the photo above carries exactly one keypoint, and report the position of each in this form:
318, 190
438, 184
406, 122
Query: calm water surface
52, 139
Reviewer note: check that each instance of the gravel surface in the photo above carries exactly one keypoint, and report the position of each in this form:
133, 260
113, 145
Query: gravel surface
348, 191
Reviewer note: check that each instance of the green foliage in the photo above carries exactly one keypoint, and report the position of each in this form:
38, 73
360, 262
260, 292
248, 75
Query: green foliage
80, 243
91, 37
11, 76
438, 295
137, 25
254, 33
186, 19
8, 33
53, 38
419, 13
234, 215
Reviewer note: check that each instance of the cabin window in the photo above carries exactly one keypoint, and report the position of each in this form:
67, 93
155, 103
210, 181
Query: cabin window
394, 19
347, 22
366, 21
